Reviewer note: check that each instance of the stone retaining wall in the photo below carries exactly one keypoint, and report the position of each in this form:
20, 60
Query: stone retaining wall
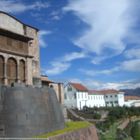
29, 111
89, 133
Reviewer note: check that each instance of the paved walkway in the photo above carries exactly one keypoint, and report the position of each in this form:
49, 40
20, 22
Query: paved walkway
82, 118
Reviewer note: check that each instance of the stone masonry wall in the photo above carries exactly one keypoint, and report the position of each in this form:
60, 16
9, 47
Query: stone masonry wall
29, 111
82, 134
34, 51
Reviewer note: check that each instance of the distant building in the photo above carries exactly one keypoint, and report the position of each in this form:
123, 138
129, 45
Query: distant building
95, 99
113, 97
57, 86
132, 101
77, 96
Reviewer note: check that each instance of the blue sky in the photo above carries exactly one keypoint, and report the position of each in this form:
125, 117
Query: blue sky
95, 42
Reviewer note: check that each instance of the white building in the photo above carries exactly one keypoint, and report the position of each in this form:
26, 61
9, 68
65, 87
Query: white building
132, 101
77, 96
95, 99
113, 97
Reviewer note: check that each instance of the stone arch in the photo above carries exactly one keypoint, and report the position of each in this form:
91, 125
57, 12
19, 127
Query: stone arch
11, 70
22, 71
1, 69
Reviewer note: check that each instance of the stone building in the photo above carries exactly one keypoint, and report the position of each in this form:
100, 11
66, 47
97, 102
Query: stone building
57, 86
25, 111
19, 51
19, 55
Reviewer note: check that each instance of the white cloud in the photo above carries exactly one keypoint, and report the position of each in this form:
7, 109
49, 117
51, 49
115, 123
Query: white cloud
109, 23
73, 56
55, 15
74, 80
19, 7
121, 85
132, 53
131, 65
57, 68
128, 66
42, 35
62, 64
92, 84
99, 72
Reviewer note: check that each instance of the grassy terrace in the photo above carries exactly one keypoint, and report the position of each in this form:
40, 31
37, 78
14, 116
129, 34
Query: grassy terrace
135, 130
70, 126
111, 133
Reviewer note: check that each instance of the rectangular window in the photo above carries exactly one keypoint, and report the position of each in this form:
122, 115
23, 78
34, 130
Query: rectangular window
74, 95
69, 88
65, 96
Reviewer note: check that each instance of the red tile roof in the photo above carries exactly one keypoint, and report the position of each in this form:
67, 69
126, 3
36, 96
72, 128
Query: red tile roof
131, 98
94, 92
45, 79
79, 86
107, 91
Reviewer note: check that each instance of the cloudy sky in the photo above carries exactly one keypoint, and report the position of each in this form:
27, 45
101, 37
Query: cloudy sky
95, 42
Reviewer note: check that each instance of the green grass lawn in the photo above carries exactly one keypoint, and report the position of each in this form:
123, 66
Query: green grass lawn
70, 126
135, 132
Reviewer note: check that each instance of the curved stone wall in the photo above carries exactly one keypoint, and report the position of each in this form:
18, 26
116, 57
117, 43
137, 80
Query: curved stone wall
28, 111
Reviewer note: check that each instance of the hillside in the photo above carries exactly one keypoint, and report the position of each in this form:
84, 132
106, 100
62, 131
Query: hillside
133, 92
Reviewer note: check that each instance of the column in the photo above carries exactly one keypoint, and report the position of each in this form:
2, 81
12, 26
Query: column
29, 77
26, 79
18, 72
5, 72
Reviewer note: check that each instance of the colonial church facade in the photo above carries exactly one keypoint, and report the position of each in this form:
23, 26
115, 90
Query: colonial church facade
19, 51
20, 55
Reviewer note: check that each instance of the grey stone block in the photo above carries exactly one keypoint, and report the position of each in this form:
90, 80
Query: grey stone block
28, 111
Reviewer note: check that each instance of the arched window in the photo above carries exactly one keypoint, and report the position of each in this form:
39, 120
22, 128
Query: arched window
51, 86
22, 71
1, 69
11, 70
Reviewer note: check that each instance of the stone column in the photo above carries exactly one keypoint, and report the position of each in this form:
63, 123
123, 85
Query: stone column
5, 71
29, 76
26, 79
18, 72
